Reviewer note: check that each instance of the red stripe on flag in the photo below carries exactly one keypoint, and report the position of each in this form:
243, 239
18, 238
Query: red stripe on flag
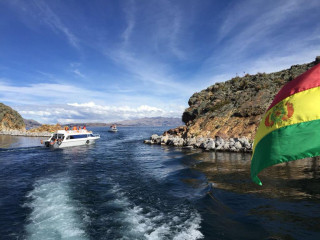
305, 81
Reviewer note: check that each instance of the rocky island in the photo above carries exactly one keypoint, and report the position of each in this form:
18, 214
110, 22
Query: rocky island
226, 115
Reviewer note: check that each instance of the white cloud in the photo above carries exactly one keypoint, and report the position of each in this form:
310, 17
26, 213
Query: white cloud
36, 113
109, 97
168, 33
155, 76
254, 21
129, 13
271, 63
143, 110
144, 59
45, 92
88, 104
92, 112
38, 12
54, 22
263, 36
78, 73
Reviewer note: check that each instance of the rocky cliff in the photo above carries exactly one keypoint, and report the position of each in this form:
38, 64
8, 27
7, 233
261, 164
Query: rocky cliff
234, 108
10, 119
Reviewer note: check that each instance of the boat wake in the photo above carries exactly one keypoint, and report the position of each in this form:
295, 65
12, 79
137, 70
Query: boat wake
18, 149
141, 221
54, 214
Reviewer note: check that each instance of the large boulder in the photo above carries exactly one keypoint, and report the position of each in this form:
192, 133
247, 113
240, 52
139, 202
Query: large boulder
211, 145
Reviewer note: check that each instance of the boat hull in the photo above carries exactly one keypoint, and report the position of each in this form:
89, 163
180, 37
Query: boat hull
72, 143
113, 130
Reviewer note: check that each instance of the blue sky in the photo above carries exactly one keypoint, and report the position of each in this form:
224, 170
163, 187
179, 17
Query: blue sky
104, 61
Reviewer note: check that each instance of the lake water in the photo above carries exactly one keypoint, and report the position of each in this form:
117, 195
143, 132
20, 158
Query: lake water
120, 188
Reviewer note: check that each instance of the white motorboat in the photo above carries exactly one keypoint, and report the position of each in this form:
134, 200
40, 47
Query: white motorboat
113, 128
70, 138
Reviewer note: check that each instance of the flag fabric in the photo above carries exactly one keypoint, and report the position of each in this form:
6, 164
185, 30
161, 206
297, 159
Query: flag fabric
290, 129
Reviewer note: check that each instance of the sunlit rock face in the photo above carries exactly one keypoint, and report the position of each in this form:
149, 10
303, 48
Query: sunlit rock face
46, 128
234, 108
10, 119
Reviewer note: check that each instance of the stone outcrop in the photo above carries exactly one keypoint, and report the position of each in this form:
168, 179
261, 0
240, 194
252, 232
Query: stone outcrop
10, 119
210, 144
25, 133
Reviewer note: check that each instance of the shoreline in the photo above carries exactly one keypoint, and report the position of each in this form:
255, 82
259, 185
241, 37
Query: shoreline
25, 133
241, 144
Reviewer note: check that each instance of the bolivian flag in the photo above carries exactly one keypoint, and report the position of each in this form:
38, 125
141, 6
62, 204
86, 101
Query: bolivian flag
290, 129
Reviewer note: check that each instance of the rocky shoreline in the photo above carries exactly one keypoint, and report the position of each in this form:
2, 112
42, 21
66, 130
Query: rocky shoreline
242, 144
25, 133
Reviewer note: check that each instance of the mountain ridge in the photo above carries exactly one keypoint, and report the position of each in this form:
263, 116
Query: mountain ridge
30, 123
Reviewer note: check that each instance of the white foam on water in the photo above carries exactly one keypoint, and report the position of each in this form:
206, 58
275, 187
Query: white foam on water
161, 226
190, 229
147, 222
54, 215
121, 201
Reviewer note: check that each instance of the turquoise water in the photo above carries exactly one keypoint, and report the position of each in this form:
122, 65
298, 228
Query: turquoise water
120, 188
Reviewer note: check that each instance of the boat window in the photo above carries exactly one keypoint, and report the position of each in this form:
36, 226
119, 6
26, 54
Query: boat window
78, 136
60, 136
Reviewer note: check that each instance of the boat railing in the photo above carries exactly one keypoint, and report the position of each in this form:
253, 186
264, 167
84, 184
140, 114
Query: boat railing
96, 135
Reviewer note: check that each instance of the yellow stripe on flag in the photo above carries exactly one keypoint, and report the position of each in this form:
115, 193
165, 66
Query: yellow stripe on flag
300, 107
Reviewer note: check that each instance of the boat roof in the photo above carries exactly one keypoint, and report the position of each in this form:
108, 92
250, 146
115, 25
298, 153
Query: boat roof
73, 132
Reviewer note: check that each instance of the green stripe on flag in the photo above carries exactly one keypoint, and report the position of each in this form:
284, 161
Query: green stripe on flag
298, 141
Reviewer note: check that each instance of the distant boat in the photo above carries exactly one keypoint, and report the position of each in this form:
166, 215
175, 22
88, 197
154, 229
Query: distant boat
69, 138
113, 128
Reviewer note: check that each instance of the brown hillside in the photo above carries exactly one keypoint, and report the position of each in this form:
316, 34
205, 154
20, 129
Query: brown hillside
10, 119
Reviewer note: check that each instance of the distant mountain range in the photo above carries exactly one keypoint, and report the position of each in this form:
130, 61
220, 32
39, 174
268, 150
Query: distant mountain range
151, 122
154, 121
10, 120
30, 123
